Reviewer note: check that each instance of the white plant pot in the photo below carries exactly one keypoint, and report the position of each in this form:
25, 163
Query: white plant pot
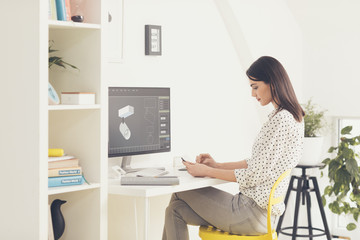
312, 151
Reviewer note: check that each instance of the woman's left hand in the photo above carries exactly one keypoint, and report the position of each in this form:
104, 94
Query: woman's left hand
197, 169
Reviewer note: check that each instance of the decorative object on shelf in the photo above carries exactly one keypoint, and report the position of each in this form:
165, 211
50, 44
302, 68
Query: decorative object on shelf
81, 98
152, 40
52, 95
344, 175
55, 60
57, 218
314, 121
77, 12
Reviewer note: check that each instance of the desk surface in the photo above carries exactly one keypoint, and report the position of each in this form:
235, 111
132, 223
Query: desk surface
187, 182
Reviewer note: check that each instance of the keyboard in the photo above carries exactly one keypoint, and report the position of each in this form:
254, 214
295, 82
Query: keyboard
161, 180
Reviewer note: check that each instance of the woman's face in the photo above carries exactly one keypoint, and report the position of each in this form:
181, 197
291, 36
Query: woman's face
261, 91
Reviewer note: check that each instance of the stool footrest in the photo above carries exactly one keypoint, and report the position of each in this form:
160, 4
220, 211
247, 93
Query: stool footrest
323, 233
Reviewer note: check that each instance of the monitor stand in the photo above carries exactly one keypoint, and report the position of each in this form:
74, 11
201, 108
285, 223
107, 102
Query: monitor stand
125, 165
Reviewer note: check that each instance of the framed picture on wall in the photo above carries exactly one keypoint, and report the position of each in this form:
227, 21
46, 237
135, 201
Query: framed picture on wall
153, 40
115, 30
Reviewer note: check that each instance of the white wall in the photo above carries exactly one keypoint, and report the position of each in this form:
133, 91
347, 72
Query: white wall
331, 31
211, 105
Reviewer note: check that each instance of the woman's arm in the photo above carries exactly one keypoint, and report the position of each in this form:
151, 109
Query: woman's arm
232, 165
202, 170
206, 159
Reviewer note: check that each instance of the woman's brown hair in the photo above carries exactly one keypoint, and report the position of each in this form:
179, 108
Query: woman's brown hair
271, 71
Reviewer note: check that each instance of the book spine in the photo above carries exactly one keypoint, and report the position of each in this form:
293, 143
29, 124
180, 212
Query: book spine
52, 10
59, 172
66, 157
65, 181
61, 10
68, 10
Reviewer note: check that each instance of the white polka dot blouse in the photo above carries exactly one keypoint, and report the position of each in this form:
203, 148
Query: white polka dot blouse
278, 147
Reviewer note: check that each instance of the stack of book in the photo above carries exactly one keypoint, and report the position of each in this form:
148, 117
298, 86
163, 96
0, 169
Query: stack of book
63, 170
60, 10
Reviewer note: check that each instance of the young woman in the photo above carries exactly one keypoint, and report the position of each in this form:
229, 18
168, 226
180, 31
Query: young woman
278, 147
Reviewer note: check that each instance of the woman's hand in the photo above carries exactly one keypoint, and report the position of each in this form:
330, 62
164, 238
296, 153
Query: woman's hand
206, 159
197, 169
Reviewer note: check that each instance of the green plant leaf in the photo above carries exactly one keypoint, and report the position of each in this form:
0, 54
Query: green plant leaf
355, 197
333, 167
346, 130
334, 207
348, 153
326, 161
331, 149
356, 215
351, 226
328, 190
323, 200
352, 167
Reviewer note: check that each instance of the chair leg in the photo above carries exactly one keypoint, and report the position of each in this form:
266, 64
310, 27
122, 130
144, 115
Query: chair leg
297, 206
278, 227
308, 208
321, 207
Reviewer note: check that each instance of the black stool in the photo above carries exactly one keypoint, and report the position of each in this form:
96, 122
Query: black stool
303, 189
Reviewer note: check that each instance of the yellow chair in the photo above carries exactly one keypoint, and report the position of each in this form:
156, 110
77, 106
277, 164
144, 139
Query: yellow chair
211, 233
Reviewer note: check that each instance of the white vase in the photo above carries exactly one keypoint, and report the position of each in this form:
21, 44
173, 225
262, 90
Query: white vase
312, 151
52, 95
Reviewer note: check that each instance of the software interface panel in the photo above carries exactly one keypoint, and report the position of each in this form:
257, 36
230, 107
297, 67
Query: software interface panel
139, 120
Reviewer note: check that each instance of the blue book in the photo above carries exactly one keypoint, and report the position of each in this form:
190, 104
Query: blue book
65, 181
61, 10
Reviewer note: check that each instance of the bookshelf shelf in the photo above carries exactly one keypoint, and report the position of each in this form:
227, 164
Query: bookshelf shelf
53, 24
68, 189
73, 107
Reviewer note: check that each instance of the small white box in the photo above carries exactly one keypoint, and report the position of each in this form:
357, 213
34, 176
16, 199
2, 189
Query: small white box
77, 98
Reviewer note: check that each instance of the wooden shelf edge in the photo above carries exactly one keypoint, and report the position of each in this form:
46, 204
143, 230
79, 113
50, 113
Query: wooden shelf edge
74, 188
73, 107
54, 24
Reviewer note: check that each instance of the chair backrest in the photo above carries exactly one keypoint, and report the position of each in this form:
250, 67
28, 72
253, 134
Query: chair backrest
275, 200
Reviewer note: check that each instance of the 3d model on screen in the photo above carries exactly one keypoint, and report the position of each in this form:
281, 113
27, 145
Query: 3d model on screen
124, 113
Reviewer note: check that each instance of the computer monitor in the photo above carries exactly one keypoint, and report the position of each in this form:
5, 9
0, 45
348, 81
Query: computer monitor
139, 122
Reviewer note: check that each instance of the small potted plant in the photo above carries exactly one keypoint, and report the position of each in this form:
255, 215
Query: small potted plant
314, 121
343, 192
55, 60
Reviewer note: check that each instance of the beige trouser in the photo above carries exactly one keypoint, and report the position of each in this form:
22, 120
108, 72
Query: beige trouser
237, 214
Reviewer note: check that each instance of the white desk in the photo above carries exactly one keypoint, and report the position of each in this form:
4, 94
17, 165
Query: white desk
187, 182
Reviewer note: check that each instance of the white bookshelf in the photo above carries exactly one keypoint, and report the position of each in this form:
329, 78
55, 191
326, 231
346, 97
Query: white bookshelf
29, 126
81, 129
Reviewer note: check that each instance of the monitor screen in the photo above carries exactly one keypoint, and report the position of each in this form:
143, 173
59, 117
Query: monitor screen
139, 120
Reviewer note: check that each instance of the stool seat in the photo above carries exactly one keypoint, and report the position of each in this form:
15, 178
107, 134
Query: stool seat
303, 191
